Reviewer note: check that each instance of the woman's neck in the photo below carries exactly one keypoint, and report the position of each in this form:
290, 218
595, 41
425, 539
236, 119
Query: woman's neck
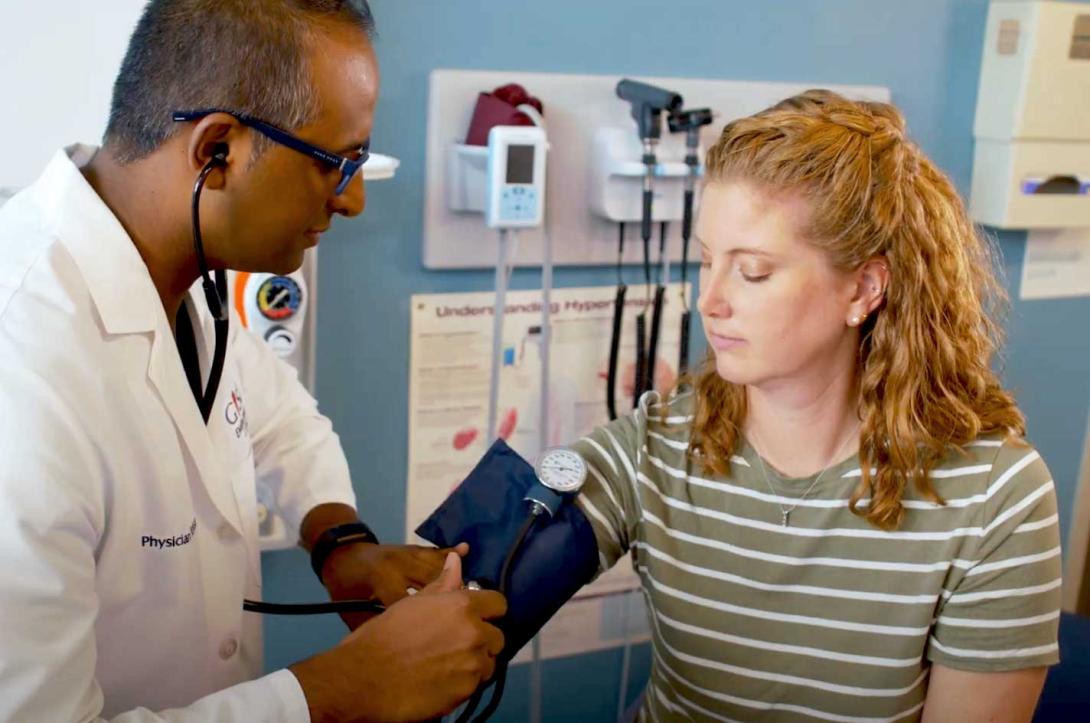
801, 428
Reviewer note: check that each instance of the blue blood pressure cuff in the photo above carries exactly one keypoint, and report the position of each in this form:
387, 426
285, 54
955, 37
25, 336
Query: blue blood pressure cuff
487, 510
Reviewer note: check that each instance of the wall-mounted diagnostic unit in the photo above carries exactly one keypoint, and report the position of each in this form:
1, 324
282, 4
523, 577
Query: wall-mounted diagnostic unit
1031, 166
516, 177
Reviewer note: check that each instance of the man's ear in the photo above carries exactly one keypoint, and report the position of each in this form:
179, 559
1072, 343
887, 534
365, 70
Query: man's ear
217, 138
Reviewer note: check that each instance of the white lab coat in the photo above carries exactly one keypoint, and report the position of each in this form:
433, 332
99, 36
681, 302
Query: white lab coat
128, 529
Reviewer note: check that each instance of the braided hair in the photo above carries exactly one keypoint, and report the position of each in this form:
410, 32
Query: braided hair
926, 382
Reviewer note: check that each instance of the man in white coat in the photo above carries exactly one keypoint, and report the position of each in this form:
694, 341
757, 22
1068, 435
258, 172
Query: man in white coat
128, 519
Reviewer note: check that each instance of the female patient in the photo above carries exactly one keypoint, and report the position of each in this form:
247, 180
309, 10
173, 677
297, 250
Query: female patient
839, 519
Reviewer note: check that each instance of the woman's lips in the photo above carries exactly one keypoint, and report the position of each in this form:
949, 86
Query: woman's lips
724, 343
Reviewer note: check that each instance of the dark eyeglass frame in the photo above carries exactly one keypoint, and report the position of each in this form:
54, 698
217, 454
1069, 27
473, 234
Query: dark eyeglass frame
347, 166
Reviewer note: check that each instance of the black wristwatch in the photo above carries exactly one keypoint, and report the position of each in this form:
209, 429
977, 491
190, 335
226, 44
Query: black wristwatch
333, 538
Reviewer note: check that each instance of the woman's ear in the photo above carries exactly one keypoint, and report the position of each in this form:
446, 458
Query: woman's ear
871, 282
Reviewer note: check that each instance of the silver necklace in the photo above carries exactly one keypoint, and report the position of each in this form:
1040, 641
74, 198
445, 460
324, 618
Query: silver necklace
786, 511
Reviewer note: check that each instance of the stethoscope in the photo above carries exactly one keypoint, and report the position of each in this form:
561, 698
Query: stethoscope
215, 295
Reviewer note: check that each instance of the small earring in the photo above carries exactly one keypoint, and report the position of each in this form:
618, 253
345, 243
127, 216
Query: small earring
857, 320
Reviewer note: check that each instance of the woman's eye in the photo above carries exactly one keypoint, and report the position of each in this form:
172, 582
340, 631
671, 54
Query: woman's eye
755, 277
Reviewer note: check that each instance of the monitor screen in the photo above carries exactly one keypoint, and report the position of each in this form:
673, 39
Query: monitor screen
520, 164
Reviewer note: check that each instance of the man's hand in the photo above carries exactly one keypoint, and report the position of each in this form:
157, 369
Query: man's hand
418, 660
364, 571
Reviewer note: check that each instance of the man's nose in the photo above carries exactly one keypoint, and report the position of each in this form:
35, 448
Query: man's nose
353, 200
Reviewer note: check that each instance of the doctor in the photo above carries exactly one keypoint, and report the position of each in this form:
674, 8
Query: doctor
128, 523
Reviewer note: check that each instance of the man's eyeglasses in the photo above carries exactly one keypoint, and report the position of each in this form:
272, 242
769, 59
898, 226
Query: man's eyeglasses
347, 166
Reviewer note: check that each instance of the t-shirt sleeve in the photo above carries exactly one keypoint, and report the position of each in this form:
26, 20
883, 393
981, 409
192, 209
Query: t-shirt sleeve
1002, 611
609, 496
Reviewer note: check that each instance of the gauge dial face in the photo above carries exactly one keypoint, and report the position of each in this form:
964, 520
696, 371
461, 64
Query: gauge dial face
279, 298
561, 469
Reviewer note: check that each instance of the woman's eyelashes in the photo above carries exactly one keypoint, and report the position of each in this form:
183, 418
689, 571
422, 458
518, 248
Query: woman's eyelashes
754, 275
750, 274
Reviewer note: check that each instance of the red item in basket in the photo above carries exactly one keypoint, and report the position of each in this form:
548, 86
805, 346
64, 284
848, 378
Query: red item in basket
498, 108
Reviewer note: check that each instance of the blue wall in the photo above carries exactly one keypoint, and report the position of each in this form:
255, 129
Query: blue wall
926, 51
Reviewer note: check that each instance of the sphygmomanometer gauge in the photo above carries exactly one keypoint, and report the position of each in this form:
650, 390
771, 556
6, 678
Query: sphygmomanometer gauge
561, 469
279, 298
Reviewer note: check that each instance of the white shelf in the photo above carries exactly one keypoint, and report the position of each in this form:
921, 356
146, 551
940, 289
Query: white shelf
575, 107
379, 167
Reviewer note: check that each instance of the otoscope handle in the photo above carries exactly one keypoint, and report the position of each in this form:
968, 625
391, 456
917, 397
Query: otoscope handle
614, 350
653, 344
683, 358
645, 221
641, 358
687, 217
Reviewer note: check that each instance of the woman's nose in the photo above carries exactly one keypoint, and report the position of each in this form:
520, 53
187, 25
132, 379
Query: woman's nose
712, 301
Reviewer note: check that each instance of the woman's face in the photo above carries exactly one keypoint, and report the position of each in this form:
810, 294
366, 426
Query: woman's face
774, 309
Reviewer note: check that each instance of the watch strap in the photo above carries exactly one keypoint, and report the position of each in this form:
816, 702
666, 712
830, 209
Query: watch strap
334, 537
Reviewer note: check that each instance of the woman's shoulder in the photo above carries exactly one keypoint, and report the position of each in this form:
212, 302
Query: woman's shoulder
1001, 452
998, 467
669, 413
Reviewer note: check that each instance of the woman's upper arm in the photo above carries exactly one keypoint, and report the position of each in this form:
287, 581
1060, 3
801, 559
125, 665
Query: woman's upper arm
970, 696
608, 497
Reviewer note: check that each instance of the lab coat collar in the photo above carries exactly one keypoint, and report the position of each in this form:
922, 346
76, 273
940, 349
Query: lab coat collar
128, 303
113, 269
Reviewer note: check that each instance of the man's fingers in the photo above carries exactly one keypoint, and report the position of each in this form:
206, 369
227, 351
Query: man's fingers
493, 640
450, 578
488, 668
419, 574
430, 555
461, 549
427, 563
489, 604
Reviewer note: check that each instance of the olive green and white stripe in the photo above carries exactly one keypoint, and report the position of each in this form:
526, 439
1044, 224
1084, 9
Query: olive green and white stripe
828, 619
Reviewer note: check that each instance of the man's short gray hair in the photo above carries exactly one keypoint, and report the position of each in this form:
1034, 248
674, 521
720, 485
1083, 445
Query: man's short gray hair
248, 56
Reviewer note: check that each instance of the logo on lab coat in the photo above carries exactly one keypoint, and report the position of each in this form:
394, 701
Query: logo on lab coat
172, 541
235, 413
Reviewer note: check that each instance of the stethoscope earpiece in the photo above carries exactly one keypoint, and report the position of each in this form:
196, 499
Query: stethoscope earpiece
219, 154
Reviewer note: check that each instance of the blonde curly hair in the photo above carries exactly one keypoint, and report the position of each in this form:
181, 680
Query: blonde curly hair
926, 384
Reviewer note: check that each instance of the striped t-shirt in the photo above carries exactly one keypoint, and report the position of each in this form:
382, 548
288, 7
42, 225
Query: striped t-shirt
829, 618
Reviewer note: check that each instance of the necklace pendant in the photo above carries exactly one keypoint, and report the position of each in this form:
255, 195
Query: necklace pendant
786, 514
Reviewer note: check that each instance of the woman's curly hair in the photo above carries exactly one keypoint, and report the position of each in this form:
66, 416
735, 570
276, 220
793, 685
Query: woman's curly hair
926, 384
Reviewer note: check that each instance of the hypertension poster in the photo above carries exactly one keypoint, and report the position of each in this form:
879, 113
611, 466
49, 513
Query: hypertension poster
449, 378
